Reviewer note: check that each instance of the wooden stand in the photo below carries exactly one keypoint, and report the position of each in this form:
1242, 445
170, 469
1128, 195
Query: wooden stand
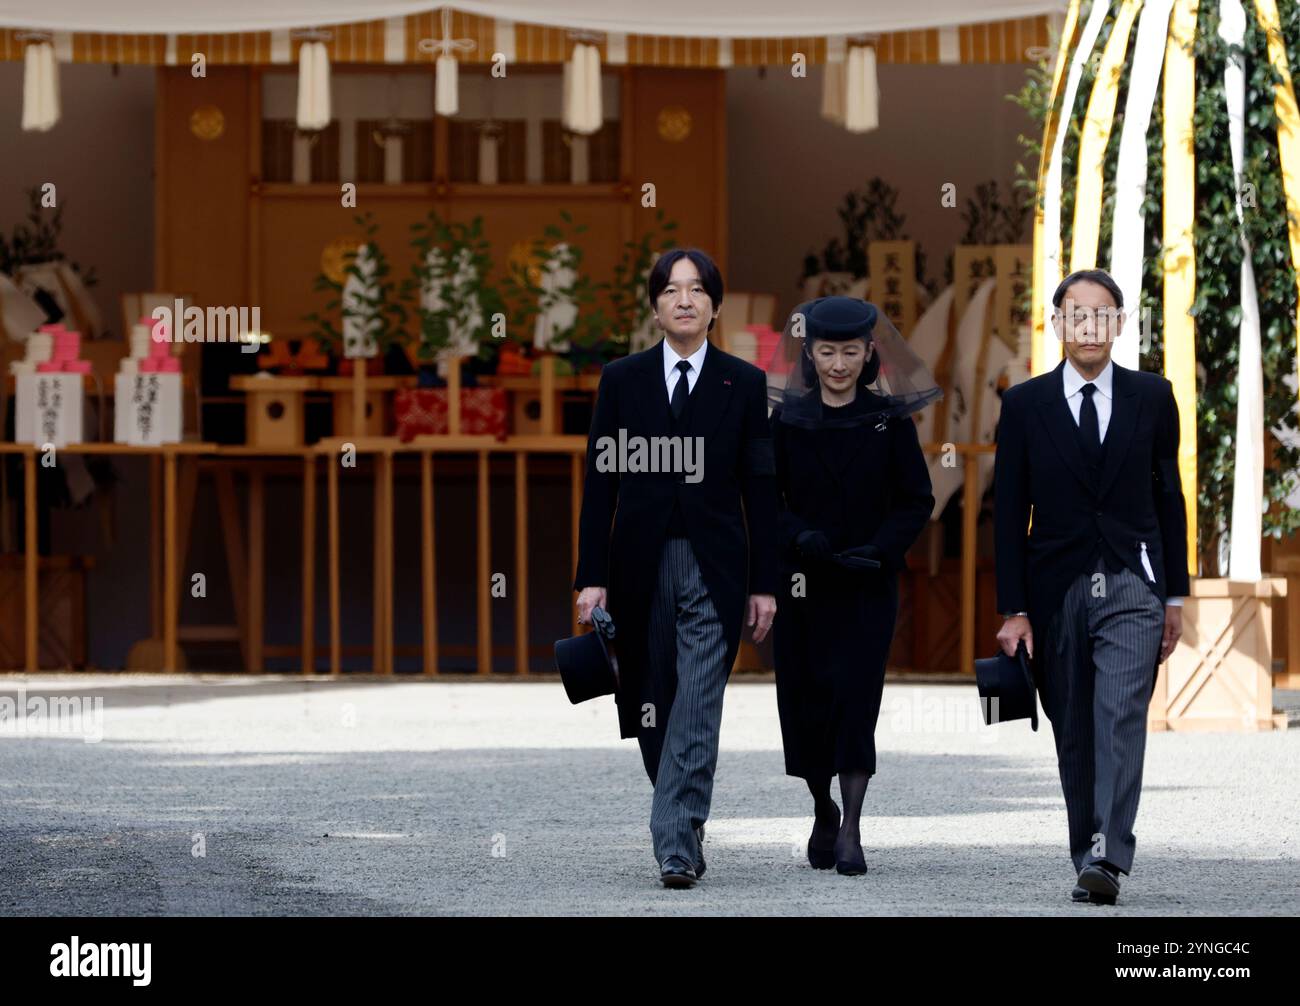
1220, 676
375, 403
273, 408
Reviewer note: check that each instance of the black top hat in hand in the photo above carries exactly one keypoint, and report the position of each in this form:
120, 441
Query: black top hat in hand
587, 663
1007, 688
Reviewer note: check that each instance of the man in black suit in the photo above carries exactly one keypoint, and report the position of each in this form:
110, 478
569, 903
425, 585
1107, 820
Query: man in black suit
684, 563
1094, 590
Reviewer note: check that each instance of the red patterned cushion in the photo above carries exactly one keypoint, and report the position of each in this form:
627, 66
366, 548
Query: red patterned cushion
424, 410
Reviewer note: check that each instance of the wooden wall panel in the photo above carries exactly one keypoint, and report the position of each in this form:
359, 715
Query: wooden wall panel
202, 186
295, 230
689, 174
232, 239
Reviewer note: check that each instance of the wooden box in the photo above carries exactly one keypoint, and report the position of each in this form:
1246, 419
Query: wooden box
273, 408
1220, 675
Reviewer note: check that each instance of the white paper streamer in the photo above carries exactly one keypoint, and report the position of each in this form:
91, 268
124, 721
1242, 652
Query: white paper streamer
1128, 227
1248, 473
1048, 272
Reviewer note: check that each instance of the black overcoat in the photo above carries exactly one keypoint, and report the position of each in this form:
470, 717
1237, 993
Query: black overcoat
730, 514
834, 627
1040, 478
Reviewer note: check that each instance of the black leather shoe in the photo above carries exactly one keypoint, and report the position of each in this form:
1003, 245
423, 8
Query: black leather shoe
699, 837
1078, 894
818, 858
853, 865
677, 873
1101, 882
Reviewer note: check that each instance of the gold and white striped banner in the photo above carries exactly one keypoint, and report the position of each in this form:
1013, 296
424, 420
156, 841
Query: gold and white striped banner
395, 40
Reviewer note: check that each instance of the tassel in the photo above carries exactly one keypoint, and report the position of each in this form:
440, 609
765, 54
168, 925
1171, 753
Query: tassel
446, 96
313, 86
582, 111
862, 101
306, 57
594, 114
568, 99
40, 88
322, 90
834, 88
582, 97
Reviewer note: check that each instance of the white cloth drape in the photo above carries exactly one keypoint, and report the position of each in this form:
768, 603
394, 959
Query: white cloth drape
582, 112
1128, 231
446, 95
313, 86
862, 92
834, 87
40, 87
1248, 474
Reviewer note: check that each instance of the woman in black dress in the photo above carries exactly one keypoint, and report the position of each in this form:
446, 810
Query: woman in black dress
855, 493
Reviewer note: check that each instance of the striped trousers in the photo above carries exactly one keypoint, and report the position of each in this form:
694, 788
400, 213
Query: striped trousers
1099, 663
686, 675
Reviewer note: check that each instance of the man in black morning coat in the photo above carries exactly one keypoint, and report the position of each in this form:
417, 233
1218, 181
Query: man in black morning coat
1094, 588
688, 558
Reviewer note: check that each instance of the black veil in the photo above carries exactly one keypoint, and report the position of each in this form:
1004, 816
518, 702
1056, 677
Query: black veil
894, 380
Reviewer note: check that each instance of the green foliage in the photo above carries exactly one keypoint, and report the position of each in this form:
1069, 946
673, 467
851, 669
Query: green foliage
37, 240
627, 293
1218, 239
1217, 308
382, 312
558, 248
870, 214
992, 220
464, 301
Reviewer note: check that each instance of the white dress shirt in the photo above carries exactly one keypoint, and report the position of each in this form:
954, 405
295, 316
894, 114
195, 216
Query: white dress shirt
1105, 382
1103, 398
672, 374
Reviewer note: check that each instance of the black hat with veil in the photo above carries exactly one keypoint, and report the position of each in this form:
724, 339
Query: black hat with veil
894, 381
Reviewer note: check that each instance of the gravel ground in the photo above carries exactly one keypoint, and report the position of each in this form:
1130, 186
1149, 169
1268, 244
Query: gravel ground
273, 796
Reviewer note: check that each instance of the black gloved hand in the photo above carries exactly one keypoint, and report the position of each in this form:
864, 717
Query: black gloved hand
812, 544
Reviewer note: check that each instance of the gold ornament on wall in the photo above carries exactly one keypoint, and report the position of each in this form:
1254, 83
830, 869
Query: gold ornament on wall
334, 257
207, 122
523, 257
674, 123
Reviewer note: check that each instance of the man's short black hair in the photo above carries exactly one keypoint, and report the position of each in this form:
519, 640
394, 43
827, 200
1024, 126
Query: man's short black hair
1099, 276
710, 277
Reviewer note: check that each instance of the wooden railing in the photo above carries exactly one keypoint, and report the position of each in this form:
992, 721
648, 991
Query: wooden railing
171, 464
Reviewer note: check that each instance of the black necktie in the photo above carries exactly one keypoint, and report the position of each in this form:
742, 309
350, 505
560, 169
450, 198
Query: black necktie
681, 390
1089, 427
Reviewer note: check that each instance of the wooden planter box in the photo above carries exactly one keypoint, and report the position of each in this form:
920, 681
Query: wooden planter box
1220, 676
